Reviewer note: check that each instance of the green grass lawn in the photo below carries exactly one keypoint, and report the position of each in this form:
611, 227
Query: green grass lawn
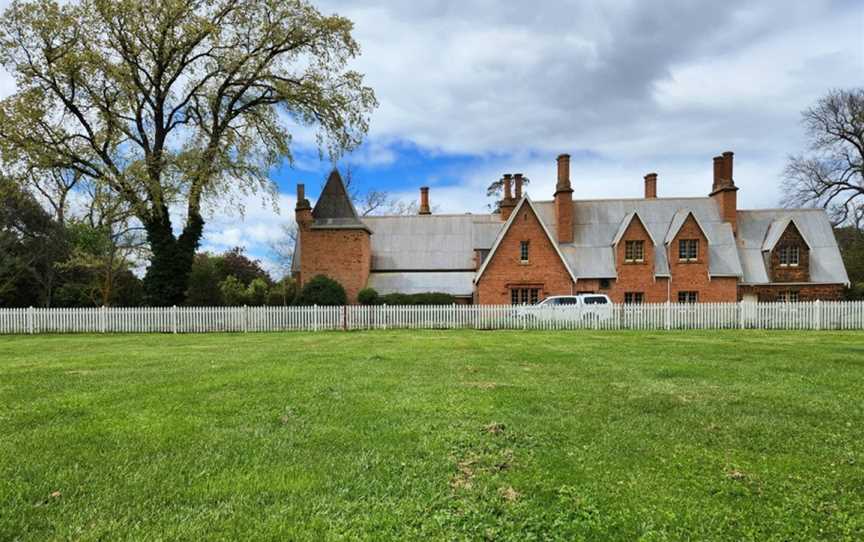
433, 435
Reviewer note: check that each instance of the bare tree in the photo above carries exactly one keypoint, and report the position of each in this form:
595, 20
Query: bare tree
377, 202
283, 248
831, 174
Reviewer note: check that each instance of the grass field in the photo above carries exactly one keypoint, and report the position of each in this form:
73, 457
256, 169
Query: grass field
433, 435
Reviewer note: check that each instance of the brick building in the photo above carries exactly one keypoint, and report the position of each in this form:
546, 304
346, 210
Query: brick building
649, 249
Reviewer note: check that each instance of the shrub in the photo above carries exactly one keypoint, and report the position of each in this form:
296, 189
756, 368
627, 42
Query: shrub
233, 292
368, 296
257, 291
283, 293
429, 298
322, 290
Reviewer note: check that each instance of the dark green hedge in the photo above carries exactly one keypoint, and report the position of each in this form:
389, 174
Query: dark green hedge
430, 298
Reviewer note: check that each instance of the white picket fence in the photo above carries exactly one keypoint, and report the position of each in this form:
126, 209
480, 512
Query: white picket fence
665, 316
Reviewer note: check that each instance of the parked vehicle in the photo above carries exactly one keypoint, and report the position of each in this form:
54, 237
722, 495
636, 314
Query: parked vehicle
569, 307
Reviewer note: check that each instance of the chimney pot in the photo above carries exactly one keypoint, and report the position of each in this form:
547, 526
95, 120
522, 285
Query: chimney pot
508, 182
424, 201
651, 186
519, 181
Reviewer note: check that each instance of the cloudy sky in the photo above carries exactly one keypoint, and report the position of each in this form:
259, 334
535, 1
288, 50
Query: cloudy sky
471, 89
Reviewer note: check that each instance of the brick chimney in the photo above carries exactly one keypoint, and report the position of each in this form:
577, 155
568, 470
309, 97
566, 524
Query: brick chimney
724, 191
424, 201
564, 201
651, 186
507, 203
303, 210
518, 179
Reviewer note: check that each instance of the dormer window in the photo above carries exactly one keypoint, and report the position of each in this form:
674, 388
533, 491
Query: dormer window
523, 251
634, 251
789, 256
688, 250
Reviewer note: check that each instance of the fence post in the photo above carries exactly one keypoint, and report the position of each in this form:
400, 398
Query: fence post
103, 324
668, 316
174, 319
741, 314
245, 319
31, 325
818, 305
344, 318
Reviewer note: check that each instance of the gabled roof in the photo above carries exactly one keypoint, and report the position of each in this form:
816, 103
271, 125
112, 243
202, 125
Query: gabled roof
622, 228
596, 222
334, 208
826, 263
524, 201
677, 223
776, 231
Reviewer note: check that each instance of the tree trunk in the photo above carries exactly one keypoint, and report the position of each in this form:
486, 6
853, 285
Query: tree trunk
167, 277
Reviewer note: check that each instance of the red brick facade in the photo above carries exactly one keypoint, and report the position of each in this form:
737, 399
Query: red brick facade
526, 259
799, 272
343, 255
780, 292
635, 276
505, 270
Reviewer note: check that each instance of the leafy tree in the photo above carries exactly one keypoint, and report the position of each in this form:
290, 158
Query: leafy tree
31, 246
322, 290
99, 259
204, 280
283, 293
257, 292
169, 103
236, 263
831, 175
233, 292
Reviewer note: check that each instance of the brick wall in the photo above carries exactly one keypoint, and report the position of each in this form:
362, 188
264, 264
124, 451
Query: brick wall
693, 276
799, 273
544, 269
636, 276
806, 292
343, 255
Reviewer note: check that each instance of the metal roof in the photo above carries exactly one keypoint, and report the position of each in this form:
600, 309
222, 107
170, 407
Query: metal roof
459, 284
597, 222
678, 221
755, 231
776, 231
430, 242
622, 229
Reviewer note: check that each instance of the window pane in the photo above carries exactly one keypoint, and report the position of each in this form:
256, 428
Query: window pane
535, 294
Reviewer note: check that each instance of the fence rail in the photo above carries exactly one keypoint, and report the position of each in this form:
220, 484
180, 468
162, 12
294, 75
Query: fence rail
665, 316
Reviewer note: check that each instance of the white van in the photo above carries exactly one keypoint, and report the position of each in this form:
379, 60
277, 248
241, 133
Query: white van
568, 307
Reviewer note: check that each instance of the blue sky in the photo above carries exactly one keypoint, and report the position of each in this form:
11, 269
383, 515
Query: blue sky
472, 89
